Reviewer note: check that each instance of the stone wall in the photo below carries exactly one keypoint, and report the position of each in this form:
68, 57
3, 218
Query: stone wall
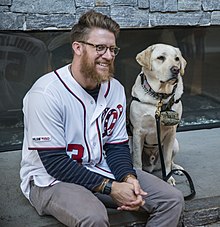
61, 14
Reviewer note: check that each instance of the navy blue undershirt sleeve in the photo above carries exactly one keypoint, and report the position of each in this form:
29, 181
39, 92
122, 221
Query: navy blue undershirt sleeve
119, 160
59, 165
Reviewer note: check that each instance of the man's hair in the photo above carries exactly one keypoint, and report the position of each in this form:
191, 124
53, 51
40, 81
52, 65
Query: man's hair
90, 20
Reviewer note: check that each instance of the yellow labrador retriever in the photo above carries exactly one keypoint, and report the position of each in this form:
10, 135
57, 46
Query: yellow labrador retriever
159, 81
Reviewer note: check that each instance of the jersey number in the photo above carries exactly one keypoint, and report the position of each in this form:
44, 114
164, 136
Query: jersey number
76, 152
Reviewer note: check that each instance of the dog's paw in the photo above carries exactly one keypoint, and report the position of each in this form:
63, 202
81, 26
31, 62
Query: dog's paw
175, 166
171, 181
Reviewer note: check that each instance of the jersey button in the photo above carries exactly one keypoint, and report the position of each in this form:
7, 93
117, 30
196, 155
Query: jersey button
91, 102
92, 163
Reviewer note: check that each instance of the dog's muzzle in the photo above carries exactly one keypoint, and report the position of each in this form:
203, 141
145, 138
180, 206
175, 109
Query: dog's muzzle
174, 75
175, 71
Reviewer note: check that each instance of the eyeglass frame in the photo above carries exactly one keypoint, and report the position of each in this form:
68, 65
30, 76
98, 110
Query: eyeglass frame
96, 46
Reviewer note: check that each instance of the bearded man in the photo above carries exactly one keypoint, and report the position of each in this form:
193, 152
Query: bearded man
75, 157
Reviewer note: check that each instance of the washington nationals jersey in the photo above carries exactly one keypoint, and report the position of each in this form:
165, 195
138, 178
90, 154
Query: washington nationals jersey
60, 114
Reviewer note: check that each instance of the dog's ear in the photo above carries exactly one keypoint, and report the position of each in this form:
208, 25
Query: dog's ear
182, 63
144, 58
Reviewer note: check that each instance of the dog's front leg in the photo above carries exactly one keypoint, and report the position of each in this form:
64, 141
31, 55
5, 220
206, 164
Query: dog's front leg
168, 153
175, 151
138, 143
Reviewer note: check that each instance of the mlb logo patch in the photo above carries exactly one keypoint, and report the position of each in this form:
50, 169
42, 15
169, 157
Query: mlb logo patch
41, 138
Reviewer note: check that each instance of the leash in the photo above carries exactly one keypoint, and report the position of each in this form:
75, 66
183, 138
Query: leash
163, 168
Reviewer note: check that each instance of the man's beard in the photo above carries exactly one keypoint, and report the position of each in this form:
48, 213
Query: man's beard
88, 70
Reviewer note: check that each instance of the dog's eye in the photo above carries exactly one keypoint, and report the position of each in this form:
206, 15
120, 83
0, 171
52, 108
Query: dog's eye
161, 58
177, 59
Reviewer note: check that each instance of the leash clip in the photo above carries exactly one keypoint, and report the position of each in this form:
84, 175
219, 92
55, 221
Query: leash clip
158, 110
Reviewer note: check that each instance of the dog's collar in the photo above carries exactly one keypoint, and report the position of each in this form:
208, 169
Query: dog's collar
147, 88
164, 107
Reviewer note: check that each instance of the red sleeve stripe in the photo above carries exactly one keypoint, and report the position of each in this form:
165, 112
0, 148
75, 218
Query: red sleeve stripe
46, 148
121, 142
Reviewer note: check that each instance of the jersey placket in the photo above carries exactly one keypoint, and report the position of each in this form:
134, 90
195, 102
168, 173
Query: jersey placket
95, 128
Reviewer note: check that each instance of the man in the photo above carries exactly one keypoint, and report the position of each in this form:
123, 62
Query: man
75, 155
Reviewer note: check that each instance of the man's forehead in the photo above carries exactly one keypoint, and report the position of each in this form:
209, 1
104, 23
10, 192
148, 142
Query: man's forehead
101, 34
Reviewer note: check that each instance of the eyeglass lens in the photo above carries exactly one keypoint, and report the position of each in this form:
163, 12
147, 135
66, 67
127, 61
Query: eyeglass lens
101, 48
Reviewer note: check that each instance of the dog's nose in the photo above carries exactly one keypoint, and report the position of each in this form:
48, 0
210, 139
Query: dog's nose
175, 70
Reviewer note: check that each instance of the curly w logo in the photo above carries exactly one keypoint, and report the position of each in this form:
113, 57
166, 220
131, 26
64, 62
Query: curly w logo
109, 119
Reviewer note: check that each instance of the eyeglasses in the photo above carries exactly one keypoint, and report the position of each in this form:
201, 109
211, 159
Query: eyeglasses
101, 48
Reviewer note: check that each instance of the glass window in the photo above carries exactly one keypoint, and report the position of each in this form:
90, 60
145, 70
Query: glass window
201, 49
25, 56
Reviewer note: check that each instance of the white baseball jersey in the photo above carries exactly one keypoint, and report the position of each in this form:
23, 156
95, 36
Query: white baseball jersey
59, 113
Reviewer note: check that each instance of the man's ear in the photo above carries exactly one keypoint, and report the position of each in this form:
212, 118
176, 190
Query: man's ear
77, 48
144, 58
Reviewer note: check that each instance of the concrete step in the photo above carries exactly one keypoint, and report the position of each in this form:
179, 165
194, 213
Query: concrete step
199, 156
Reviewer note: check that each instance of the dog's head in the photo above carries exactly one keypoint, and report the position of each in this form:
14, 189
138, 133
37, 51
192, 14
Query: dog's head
163, 62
